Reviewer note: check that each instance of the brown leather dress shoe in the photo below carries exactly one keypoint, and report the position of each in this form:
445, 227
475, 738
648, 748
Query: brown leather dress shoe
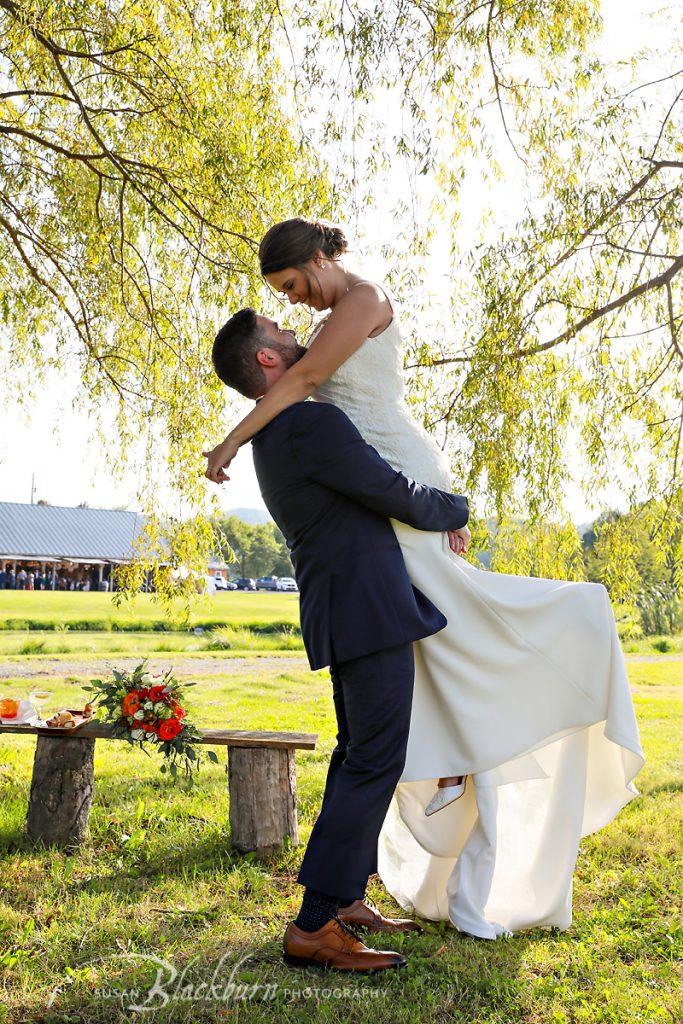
335, 946
364, 914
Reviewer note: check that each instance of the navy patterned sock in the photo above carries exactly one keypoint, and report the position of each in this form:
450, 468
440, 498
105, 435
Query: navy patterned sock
316, 910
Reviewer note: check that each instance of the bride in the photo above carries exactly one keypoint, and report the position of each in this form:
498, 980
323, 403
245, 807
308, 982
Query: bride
523, 737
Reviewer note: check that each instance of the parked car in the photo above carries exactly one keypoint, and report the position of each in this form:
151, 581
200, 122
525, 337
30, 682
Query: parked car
287, 583
245, 583
267, 583
223, 584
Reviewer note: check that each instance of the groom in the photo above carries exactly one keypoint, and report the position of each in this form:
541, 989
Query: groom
331, 494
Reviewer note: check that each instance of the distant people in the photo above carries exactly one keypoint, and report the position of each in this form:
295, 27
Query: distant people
3, 579
21, 579
11, 580
30, 580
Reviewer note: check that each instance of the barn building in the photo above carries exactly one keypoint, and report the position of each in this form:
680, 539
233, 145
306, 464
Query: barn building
52, 547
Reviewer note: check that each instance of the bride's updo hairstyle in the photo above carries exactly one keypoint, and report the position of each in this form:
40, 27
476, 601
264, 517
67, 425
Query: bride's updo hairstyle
293, 242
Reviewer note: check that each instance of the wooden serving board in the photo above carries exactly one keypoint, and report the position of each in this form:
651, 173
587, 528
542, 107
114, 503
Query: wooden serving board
80, 720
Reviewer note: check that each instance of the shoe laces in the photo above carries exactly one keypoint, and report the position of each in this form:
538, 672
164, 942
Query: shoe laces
374, 908
347, 928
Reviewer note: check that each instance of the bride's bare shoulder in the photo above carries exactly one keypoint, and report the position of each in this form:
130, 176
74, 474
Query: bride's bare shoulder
363, 308
371, 298
369, 289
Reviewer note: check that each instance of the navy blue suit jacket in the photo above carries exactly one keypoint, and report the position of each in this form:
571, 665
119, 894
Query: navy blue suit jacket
332, 494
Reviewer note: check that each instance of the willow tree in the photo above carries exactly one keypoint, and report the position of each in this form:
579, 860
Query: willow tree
563, 327
145, 150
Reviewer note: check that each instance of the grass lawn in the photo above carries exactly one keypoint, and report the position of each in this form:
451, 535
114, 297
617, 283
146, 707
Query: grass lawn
43, 642
23, 609
51, 623
23, 646
157, 878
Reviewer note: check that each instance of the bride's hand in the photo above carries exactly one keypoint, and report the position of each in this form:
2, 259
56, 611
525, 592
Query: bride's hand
459, 540
219, 458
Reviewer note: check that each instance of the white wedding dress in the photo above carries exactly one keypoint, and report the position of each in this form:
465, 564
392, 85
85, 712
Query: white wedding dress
525, 691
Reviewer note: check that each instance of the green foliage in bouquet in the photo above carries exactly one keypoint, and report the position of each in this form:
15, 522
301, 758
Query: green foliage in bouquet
145, 710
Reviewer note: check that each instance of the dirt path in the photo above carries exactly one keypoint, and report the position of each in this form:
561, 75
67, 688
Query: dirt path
45, 667
34, 667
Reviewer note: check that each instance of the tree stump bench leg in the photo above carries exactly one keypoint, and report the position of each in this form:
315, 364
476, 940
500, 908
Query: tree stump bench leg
262, 789
61, 791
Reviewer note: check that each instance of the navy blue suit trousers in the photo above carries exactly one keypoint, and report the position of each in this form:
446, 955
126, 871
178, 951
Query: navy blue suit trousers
372, 699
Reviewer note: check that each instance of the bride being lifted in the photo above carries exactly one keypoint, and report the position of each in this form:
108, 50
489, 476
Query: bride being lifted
523, 737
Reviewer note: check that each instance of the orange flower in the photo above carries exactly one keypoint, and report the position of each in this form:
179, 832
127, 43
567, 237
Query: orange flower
130, 703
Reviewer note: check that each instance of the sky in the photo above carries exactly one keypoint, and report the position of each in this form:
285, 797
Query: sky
47, 450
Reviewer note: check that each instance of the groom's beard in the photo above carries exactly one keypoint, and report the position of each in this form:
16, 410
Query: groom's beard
290, 354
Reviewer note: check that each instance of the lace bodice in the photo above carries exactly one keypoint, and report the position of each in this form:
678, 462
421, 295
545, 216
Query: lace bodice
369, 388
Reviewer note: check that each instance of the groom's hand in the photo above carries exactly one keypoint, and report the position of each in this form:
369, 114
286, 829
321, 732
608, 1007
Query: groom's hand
219, 458
459, 540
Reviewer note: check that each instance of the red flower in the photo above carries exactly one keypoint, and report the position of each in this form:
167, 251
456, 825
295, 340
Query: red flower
169, 729
148, 726
156, 693
143, 692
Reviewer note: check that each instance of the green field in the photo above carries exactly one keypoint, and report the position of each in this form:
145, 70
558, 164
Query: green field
53, 623
30, 645
22, 609
158, 877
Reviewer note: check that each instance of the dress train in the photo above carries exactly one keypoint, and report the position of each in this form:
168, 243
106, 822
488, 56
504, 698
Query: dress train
525, 691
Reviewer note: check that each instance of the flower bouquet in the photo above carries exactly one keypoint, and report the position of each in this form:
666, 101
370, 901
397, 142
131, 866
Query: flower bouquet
148, 710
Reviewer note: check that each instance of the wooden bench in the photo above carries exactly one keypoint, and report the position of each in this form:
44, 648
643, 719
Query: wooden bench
261, 784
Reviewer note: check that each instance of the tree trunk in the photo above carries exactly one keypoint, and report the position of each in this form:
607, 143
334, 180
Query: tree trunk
61, 790
262, 787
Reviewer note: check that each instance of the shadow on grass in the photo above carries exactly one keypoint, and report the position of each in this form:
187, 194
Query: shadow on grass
665, 787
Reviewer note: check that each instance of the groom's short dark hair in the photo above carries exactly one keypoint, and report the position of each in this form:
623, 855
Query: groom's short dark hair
234, 354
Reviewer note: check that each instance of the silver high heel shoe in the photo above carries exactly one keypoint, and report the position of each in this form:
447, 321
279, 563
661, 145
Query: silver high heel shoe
444, 796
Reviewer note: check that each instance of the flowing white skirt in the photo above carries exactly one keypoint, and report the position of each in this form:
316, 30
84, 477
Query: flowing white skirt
525, 691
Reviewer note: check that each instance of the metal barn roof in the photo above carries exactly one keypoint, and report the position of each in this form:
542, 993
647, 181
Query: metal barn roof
58, 532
